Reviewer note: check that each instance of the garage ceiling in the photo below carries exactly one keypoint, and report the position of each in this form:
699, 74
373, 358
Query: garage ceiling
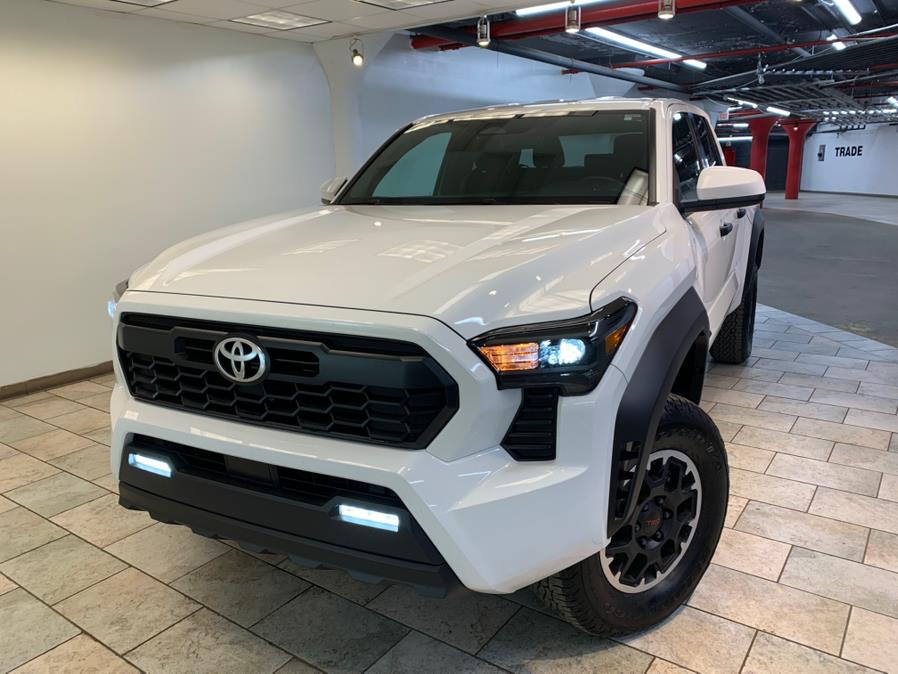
802, 56
329, 18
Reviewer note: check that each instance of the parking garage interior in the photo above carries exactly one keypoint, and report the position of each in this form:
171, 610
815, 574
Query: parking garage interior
128, 126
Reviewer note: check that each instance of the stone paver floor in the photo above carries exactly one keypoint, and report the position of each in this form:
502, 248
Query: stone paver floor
805, 578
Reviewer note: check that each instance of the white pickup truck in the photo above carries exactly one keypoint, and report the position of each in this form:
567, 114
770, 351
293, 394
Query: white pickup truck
479, 361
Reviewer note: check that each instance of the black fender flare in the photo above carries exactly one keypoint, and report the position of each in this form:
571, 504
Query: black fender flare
756, 246
639, 413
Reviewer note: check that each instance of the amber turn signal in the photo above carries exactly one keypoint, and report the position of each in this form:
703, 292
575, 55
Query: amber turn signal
614, 338
512, 357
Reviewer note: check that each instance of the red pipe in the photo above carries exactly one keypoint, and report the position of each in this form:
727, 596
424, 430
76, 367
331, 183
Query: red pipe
750, 51
797, 131
553, 22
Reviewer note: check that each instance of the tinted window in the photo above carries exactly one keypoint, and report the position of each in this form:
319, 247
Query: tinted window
416, 171
686, 159
580, 157
706, 140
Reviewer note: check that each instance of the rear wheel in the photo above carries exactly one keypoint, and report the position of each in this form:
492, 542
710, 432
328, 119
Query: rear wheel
653, 563
733, 343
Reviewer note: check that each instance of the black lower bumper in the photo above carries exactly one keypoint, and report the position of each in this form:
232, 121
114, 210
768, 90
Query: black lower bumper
252, 504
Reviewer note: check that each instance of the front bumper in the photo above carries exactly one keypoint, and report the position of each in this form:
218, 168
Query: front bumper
497, 524
248, 503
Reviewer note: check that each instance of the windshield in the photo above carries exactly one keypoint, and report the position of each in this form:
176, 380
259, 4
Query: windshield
594, 157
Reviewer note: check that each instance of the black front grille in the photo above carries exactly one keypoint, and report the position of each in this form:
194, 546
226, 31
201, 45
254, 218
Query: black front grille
298, 485
531, 436
369, 390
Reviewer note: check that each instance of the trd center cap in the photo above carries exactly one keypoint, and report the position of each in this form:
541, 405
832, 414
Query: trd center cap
650, 521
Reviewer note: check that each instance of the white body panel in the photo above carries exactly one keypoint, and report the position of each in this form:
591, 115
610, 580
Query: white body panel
471, 267
438, 276
464, 490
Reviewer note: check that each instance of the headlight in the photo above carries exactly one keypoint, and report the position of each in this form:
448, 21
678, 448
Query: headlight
117, 292
571, 354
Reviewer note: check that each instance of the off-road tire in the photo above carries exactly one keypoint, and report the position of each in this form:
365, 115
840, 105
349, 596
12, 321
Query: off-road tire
733, 343
583, 595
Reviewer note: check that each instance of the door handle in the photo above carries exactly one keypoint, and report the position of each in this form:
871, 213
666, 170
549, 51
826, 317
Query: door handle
726, 228
740, 213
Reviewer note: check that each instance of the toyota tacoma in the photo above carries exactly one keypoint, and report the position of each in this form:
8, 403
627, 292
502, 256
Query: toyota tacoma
480, 360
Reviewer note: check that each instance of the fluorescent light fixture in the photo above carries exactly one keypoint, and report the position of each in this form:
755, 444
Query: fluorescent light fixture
145, 3
483, 32
742, 102
834, 40
734, 139
400, 4
667, 9
848, 10
150, 465
368, 518
778, 111
553, 6
891, 100
740, 125
278, 20
643, 47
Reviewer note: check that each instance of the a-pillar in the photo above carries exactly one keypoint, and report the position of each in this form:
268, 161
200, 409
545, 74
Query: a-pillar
760, 131
797, 132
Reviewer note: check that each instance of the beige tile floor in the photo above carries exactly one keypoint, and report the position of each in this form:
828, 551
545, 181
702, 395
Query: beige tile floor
805, 578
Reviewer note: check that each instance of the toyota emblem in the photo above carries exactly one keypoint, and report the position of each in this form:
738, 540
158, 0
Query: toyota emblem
240, 360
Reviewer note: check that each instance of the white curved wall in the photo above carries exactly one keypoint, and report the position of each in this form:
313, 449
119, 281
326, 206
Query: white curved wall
120, 135
868, 166
399, 84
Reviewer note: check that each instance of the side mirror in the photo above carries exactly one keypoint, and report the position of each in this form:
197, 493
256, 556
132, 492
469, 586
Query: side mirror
722, 187
330, 189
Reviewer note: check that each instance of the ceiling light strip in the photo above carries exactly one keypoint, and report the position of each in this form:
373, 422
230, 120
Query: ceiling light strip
643, 47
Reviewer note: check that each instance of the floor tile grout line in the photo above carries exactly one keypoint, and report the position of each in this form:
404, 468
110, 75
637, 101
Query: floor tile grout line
520, 607
817, 594
845, 632
817, 484
517, 610
759, 630
777, 540
81, 629
867, 547
754, 637
199, 607
824, 517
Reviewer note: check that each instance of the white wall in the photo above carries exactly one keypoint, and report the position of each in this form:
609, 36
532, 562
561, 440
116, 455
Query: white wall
120, 135
874, 172
399, 84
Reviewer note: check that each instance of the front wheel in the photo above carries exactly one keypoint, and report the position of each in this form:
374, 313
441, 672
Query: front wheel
653, 563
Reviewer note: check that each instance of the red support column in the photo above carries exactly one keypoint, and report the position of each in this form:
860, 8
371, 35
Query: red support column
797, 132
760, 131
729, 155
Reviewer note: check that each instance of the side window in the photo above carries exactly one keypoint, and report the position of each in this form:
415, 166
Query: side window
706, 140
686, 159
416, 172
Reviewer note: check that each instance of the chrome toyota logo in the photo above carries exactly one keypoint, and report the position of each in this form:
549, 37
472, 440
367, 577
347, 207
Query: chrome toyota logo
240, 360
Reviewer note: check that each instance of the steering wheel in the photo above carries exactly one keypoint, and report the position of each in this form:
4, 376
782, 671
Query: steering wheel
603, 184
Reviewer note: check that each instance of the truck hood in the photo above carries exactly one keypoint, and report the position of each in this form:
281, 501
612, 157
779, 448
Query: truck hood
468, 266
